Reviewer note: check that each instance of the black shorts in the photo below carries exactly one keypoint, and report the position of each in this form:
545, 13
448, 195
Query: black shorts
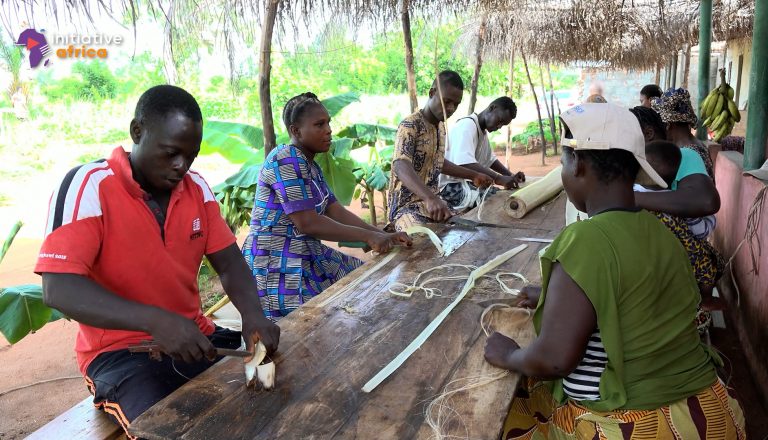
126, 384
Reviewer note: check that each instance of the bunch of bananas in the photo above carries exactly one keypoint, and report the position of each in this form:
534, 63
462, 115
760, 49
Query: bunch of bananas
718, 110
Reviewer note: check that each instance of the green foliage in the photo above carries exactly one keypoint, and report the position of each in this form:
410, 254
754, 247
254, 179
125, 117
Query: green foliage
22, 311
339, 174
9, 239
144, 71
219, 108
95, 83
236, 142
98, 82
532, 129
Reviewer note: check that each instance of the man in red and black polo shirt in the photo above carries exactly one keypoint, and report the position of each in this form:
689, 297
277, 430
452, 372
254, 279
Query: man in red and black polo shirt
124, 241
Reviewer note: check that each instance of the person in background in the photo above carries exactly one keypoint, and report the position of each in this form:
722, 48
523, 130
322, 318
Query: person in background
707, 264
294, 209
653, 127
613, 315
419, 158
468, 146
648, 93
675, 109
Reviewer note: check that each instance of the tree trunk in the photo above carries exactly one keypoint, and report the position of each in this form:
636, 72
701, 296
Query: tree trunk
553, 101
511, 88
478, 65
409, 72
538, 110
385, 207
369, 194
169, 64
550, 109
686, 66
265, 67
657, 76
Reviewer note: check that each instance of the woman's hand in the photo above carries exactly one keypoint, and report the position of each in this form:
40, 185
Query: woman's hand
528, 297
382, 242
498, 350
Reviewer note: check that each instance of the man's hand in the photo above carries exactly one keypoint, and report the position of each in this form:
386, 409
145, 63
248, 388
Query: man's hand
529, 297
259, 328
482, 180
498, 349
437, 208
181, 339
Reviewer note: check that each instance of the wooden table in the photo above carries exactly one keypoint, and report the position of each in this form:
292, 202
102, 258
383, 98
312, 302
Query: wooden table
327, 353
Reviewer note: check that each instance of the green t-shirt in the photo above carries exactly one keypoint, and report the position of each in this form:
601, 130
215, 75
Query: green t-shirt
690, 163
638, 278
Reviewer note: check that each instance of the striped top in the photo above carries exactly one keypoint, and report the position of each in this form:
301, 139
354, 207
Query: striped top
584, 382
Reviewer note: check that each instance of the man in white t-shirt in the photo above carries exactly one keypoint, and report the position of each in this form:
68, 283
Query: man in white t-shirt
469, 147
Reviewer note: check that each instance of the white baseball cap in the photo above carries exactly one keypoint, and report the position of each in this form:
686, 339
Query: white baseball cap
602, 126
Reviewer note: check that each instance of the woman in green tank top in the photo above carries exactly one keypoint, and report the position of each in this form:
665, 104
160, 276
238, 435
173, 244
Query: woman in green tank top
614, 315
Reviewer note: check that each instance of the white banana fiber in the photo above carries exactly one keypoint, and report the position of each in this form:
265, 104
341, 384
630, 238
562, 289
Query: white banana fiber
439, 412
481, 204
416, 229
422, 337
364, 276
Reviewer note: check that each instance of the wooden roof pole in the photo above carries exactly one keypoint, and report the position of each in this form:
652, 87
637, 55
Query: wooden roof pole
705, 44
757, 129
405, 18
538, 109
265, 68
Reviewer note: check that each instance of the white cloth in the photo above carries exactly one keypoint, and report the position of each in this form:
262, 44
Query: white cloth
467, 143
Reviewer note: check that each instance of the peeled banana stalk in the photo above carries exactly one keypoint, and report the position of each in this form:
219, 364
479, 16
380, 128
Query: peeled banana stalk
258, 375
718, 110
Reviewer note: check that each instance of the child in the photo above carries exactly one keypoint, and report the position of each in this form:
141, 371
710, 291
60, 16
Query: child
613, 316
419, 159
294, 209
707, 264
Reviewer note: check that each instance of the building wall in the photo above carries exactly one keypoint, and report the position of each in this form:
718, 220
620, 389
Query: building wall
747, 307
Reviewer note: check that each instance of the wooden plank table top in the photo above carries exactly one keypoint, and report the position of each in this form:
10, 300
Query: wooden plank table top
328, 352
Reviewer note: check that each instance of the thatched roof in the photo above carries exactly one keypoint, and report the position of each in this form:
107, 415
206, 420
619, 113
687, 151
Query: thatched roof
634, 34
610, 33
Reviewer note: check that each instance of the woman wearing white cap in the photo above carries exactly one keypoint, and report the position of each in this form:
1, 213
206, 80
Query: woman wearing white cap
614, 315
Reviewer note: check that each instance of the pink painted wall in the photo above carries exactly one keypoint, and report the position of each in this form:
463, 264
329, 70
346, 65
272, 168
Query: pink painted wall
750, 312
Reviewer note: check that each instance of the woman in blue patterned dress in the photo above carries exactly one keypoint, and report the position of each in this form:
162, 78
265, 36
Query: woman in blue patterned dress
294, 209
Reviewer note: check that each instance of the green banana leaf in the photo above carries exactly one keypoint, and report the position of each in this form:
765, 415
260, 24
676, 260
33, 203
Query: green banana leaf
22, 311
335, 104
339, 175
237, 142
11, 235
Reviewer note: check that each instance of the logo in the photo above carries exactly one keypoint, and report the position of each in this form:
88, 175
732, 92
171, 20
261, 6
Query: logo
37, 46
67, 46
196, 233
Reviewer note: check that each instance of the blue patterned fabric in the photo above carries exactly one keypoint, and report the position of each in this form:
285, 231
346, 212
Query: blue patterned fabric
290, 267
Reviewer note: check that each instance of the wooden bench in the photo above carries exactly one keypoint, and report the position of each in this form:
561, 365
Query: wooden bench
83, 421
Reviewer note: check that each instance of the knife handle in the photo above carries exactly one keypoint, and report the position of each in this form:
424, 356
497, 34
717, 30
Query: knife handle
353, 244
